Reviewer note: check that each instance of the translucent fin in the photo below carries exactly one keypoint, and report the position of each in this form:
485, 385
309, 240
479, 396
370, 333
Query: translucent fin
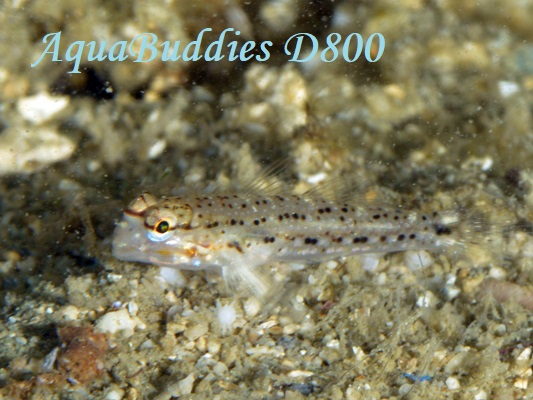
472, 227
333, 189
247, 278
344, 190
270, 181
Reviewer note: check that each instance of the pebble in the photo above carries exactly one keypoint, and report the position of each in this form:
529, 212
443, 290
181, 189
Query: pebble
456, 362
427, 300
69, 313
24, 150
252, 306
180, 388
508, 88
453, 383
525, 355
115, 394
172, 276
497, 273
521, 383
41, 107
116, 321
213, 346
417, 260
481, 395
370, 262
195, 331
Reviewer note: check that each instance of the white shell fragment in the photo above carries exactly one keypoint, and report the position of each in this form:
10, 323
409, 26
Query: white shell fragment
116, 321
181, 388
418, 260
26, 150
453, 383
41, 107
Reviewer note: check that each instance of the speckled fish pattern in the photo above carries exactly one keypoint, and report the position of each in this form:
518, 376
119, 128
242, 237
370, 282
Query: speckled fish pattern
240, 232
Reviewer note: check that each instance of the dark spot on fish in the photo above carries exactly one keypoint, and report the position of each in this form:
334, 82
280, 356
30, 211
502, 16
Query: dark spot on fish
310, 240
236, 246
441, 229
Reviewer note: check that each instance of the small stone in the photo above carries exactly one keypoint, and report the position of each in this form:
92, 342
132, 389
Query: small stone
116, 321
41, 107
481, 395
182, 387
29, 149
115, 394
213, 346
171, 276
417, 260
220, 369
525, 355
521, 383
69, 313
453, 383
427, 300
497, 273
195, 331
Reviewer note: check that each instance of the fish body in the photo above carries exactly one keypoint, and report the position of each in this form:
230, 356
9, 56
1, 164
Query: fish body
239, 233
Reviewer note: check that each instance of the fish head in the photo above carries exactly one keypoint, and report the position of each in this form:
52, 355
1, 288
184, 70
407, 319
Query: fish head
158, 232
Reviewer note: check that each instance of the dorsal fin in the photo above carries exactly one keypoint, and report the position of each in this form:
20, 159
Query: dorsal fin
270, 181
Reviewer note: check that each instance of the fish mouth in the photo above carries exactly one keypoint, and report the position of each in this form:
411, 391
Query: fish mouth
127, 240
131, 243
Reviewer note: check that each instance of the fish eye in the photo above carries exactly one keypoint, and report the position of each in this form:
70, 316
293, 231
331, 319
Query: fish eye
161, 230
162, 226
